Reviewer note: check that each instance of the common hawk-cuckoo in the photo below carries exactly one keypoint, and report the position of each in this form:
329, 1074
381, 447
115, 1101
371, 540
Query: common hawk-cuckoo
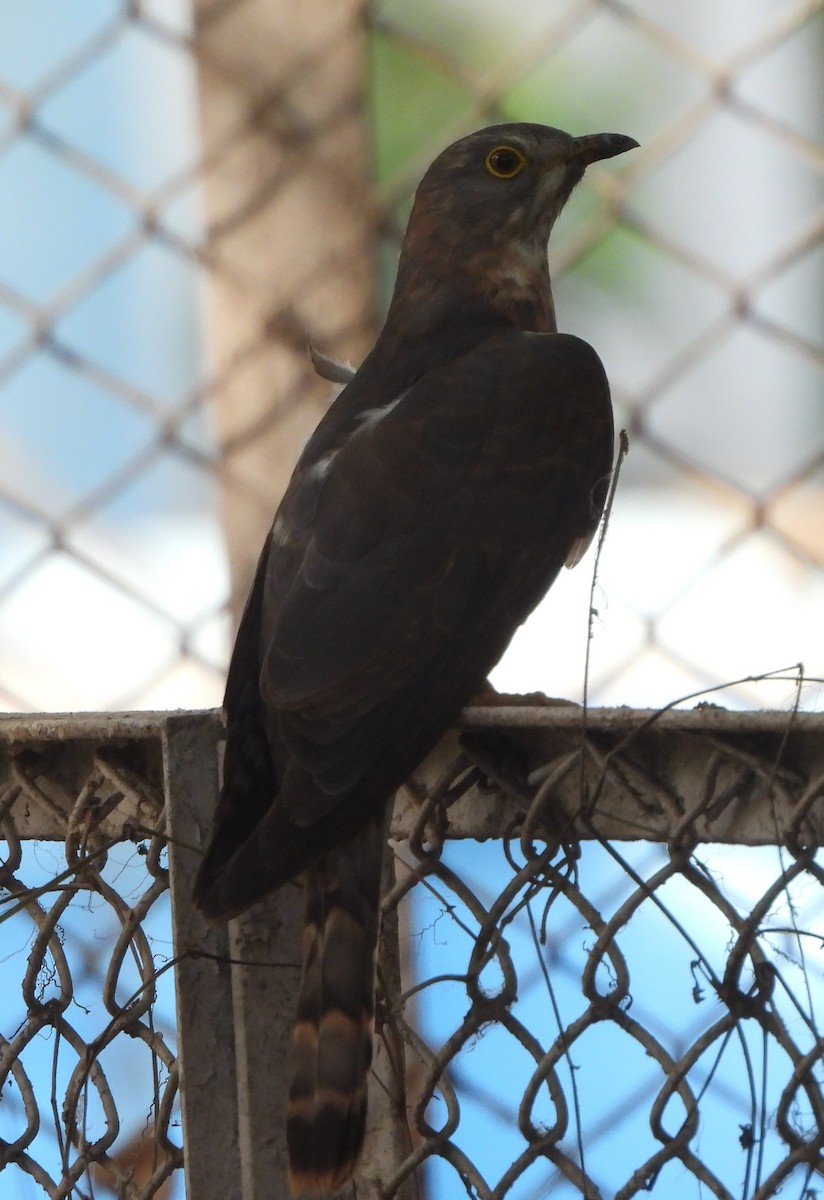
440, 495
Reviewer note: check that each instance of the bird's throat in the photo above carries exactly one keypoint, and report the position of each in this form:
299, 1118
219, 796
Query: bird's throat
510, 289
515, 278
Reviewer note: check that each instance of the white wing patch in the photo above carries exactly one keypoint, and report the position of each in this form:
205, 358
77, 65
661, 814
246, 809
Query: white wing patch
371, 416
320, 469
281, 532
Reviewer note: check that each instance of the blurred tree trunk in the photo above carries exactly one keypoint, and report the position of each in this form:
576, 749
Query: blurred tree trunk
289, 216
291, 234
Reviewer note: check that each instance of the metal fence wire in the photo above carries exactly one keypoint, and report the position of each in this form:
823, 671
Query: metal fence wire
594, 996
602, 973
88, 1046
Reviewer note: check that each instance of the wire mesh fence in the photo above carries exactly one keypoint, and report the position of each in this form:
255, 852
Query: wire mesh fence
599, 997
186, 200
636, 1012
89, 1045
694, 267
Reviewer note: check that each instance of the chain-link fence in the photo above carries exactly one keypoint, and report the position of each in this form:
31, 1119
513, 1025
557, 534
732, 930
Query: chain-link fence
620, 1016
183, 201
599, 998
89, 1046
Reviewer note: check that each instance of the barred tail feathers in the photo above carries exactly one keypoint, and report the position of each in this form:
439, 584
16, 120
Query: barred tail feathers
332, 1040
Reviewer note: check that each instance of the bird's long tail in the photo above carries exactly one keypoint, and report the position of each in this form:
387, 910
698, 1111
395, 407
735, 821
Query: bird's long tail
332, 1040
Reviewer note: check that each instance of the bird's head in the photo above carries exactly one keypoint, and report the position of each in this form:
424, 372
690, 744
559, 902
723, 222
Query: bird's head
484, 210
511, 178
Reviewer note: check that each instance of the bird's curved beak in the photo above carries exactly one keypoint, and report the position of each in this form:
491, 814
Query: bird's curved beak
595, 146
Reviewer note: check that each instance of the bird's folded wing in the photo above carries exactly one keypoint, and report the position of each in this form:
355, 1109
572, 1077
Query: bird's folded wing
425, 524
394, 576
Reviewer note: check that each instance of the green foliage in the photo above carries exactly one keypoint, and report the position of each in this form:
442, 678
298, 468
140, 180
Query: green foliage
413, 100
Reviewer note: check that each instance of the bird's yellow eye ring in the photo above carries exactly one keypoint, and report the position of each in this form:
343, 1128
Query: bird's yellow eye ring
505, 162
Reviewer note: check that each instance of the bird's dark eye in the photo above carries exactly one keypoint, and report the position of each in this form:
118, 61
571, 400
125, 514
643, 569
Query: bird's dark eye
505, 162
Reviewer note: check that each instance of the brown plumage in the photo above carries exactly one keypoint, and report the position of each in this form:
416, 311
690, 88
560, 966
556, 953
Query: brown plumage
459, 469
